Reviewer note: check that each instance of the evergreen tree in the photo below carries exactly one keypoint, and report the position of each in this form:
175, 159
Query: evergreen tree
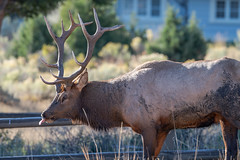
194, 46
179, 42
30, 37
26, 8
171, 36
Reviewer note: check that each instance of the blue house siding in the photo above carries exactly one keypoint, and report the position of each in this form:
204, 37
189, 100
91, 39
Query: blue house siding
204, 11
143, 22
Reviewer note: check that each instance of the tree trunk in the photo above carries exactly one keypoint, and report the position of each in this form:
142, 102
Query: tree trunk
1, 19
3, 5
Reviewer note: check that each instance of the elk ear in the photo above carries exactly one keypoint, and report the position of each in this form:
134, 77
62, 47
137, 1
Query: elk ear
83, 80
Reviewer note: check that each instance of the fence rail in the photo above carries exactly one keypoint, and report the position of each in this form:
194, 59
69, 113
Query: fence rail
30, 122
21, 120
19, 115
166, 155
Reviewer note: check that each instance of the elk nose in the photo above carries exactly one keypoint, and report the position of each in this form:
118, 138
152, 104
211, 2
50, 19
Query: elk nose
46, 114
43, 114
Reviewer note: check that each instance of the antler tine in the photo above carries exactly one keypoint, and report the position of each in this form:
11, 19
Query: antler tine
75, 59
66, 34
96, 20
50, 30
89, 38
51, 83
71, 18
63, 30
57, 77
48, 65
112, 28
85, 32
103, 29
91, 41
60, 45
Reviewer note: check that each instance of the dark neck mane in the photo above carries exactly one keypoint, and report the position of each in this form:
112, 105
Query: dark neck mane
101, 102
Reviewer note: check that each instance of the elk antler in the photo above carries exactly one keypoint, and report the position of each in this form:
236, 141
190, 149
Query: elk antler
91, 41
60, 45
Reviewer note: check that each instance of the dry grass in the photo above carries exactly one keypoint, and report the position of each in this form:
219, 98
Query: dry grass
25, 106
216, 52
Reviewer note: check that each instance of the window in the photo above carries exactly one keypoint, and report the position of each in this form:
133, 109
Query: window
142, 7
155, 8
234, 9
226, 10
128, 6
220, 9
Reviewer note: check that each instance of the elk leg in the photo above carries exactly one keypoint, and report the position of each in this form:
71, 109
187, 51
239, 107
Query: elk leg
149, 136
230, 139
160, 141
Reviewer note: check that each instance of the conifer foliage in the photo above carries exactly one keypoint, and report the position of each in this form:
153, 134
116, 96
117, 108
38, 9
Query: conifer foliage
177, 41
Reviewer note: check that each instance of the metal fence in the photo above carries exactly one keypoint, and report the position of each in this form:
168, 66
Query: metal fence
22, 120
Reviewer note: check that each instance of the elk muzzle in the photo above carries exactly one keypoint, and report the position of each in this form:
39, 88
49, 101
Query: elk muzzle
47, 116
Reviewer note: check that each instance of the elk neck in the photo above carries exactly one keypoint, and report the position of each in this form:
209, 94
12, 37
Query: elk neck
102, 101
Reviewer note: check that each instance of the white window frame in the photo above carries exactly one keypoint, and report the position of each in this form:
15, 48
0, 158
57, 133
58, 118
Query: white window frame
226, 19
126, 13
145, 8
127, 10
162, 9
236, 10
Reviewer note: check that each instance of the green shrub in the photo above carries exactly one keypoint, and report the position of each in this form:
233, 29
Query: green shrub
115, 52
149, 34
11, 146
20, 78
107, 71
237, 41
49, 52
30, 37
215, 52
179, 42
4, 46
194, 46
169, 41
138, 60
67, 141
21, 44
137, 45
202, 138
170, 38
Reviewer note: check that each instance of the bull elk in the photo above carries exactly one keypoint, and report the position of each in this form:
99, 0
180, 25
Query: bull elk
153, 99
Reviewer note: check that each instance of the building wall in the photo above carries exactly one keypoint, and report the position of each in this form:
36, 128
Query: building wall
211, 28
204, 10
142, 22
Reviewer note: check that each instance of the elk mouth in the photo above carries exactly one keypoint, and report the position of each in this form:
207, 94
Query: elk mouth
47, 120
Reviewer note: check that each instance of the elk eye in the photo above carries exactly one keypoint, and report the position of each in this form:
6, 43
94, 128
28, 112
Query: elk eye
64, 97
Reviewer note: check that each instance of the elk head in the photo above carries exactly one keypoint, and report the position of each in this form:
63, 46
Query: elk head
64, 105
